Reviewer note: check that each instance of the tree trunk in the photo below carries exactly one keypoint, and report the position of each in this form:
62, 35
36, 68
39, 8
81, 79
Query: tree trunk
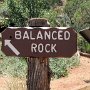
38, 77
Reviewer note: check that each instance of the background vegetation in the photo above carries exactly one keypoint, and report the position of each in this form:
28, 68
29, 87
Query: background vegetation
70, 13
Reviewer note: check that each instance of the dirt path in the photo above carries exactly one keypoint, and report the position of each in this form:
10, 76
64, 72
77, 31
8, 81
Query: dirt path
77, 78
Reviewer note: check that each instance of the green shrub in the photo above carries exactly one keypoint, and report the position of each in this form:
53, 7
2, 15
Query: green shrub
79, 13
60, 66
83, 45
51, 15
12, 66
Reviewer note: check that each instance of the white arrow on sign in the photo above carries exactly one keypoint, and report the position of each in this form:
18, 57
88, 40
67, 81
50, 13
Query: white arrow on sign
8, 43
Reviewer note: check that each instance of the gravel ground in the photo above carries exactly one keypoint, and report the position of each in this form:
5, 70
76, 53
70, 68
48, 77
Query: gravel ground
77, 78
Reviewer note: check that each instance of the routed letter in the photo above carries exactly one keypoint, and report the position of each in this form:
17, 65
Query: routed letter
33, 47
53, 48
31, 37
17, 34
47, 35
54, 35
60, 36
39, 35
67, 35
25, 36
47, 45
40, 47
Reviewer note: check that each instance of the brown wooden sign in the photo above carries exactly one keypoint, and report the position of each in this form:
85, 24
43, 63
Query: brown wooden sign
39, 42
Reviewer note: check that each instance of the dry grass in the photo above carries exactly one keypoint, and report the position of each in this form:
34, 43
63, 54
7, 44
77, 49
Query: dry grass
10, 83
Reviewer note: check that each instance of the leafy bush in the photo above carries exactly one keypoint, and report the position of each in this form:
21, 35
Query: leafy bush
51, 15
20, 11
83, 45
79, 13
13, 66
60, 66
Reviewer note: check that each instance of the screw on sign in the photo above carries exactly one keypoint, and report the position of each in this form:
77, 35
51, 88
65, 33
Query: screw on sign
39, 42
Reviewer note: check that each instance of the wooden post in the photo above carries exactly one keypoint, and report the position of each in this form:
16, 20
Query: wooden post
38, 77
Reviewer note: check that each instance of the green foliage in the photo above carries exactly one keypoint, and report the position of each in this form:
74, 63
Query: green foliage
63, 20
79, 13
3, 7
16, 15
34, 7
12, 66
83, 45
51, 15
72, 6
3, 12
55, 2
22, 10
60, 66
